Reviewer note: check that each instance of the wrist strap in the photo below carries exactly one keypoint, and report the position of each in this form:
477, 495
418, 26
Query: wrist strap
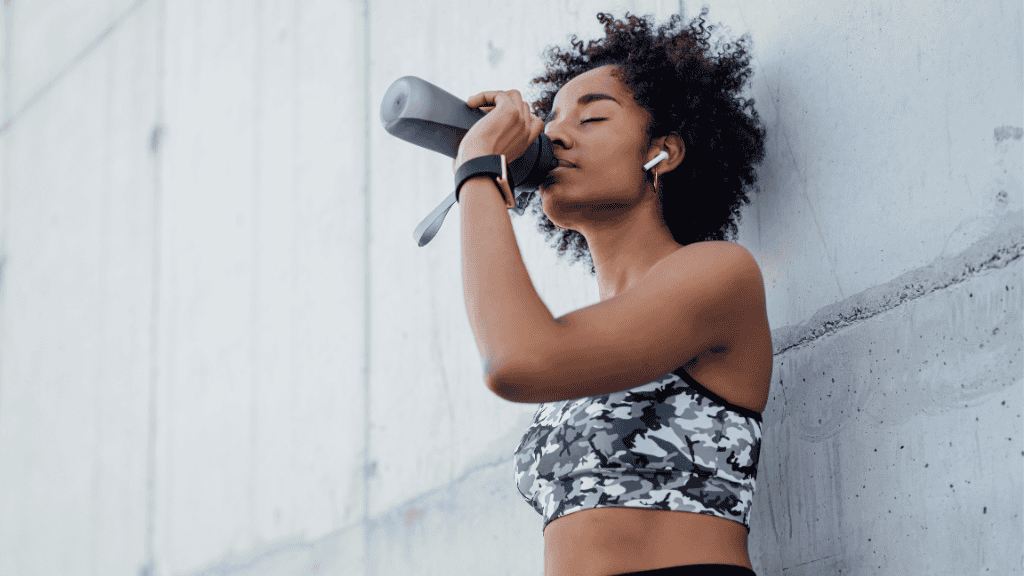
426, 229
493, 165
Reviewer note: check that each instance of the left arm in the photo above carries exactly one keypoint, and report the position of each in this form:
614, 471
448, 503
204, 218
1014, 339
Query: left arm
698, 298
504, 307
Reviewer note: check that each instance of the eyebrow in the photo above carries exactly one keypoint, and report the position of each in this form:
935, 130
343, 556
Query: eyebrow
585, 99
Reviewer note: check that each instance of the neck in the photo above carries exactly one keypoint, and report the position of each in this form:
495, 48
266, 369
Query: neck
624, 249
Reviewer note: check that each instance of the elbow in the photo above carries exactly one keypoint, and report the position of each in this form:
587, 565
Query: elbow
506, 390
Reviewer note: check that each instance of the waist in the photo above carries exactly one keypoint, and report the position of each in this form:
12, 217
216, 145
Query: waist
701, 492
611, 540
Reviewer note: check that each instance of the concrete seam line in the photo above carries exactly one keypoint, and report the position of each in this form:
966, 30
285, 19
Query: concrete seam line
999, 249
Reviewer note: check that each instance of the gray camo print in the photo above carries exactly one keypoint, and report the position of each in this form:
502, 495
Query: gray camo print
662, 445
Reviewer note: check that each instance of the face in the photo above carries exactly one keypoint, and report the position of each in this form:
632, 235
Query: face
597, 125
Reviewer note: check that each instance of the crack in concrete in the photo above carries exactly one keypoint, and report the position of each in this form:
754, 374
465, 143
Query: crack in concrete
999, 249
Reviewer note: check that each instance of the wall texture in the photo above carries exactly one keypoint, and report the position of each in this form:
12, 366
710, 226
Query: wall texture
222, 353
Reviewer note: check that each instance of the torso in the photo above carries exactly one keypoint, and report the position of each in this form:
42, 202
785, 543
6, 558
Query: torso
608, 541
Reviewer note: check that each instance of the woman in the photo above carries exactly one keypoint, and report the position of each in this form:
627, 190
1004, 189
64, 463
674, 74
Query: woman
643, 453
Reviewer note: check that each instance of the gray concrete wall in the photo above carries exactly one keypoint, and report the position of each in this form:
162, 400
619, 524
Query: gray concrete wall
221, 352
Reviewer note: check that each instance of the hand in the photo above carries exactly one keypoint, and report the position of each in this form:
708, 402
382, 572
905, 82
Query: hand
508, 128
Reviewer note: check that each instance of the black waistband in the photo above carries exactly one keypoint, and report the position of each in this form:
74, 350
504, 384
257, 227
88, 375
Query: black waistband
703, 390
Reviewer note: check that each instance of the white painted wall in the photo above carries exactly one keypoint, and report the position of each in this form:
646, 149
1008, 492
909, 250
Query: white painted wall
221, 352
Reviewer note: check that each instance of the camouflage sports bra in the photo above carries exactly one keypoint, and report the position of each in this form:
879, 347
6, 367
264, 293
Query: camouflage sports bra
670, 444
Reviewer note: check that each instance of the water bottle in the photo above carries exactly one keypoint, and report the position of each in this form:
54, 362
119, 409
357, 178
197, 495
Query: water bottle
423, 114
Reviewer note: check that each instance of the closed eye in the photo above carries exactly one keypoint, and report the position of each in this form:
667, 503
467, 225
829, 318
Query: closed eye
591, 120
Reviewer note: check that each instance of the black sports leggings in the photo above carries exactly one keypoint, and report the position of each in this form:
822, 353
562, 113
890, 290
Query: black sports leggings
695, 570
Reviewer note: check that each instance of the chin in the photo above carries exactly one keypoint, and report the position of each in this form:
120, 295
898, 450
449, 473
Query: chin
549, 180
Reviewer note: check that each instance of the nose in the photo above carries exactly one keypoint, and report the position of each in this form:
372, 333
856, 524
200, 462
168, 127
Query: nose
557, 132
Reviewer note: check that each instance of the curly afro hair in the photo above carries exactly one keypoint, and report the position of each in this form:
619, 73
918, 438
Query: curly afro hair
688, 89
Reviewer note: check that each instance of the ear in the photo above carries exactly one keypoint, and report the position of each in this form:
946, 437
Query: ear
676, 148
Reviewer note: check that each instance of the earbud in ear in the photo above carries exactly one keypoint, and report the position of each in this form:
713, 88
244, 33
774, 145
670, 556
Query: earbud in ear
661, 156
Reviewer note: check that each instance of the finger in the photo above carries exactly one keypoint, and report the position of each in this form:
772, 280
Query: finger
476, 100
501, 96
486, 98
516, 99
524, 112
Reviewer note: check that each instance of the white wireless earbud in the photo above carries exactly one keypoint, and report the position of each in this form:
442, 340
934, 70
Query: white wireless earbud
661, 156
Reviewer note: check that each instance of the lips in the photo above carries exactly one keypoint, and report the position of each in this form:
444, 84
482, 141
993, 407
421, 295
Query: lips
563, 163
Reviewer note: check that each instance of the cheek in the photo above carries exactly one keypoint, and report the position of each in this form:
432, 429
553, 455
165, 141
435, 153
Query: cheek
620, 160
620, 170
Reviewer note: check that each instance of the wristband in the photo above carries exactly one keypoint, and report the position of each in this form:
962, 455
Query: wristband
493, 165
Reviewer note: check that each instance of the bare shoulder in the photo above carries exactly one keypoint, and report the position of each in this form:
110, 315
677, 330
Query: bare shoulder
721, 257
740, 370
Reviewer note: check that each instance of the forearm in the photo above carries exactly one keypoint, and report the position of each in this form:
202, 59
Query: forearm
505, 311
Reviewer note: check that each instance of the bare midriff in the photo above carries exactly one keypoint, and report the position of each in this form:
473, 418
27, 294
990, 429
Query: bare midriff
608, 541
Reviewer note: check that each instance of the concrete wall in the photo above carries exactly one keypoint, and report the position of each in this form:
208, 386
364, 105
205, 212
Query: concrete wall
221, 352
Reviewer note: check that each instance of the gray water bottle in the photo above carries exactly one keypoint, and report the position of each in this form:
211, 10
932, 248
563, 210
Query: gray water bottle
423, 114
